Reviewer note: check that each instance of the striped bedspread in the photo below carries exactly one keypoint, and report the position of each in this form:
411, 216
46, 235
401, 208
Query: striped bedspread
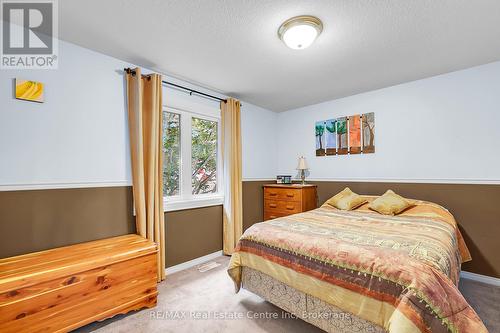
400, 273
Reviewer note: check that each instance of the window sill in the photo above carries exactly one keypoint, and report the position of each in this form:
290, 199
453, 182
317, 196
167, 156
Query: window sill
174, 205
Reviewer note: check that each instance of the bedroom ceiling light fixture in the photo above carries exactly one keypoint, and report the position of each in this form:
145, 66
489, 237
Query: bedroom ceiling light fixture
299, 32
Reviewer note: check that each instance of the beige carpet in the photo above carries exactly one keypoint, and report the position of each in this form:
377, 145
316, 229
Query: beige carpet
190, 301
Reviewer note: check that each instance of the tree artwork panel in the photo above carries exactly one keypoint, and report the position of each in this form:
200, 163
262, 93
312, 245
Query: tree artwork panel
346, 135
368, 128
320, 138
343, 144
331, 136
355, 134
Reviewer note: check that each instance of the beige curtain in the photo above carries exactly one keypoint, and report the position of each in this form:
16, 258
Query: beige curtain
231, 156
145, 128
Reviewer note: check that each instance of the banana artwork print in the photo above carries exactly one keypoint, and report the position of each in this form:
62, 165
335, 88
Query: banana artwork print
29, 90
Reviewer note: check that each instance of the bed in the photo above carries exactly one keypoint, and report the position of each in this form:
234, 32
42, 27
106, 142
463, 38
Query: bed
360, 271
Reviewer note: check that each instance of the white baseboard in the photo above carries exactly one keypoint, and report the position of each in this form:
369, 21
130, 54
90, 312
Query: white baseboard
198, 261
480, 278
192, 263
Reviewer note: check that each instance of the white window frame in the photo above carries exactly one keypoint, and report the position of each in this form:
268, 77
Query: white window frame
186, 200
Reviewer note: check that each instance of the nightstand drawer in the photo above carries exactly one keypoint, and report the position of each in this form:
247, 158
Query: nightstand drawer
290, 207
273, 215
291, 194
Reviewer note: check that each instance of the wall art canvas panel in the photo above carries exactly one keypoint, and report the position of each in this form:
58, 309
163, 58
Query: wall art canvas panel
331, 136
320, 138
355, 134
368, 129
29, 90
343, 144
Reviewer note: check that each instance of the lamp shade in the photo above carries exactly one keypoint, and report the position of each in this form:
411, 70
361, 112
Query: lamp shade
302, 164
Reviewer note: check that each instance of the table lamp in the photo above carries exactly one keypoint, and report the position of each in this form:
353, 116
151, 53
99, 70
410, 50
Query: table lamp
302, 166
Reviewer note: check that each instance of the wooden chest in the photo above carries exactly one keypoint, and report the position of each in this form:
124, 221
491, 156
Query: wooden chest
282, 200
61, 289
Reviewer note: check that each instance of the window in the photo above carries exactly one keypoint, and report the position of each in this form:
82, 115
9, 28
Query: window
191, 159
204, 156
172, 154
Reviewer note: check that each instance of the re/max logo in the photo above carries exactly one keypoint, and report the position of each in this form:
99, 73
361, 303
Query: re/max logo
169, 315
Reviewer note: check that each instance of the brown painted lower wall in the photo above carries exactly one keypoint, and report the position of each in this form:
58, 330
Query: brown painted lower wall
42, 219
192, 233
475, 208
32, 221
37, 220
253, 204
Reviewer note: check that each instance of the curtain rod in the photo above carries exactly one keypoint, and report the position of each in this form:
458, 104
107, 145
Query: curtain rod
191, 91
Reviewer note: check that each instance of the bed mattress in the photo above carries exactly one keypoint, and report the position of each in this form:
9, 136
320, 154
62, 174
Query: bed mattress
306, 307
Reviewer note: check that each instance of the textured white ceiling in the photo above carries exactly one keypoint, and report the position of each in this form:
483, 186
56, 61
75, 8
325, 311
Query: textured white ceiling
232, 46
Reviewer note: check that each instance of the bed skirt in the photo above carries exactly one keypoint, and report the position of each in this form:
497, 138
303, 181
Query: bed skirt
306, 307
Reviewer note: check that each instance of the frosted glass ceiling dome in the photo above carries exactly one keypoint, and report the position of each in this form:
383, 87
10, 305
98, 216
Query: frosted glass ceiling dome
300, 32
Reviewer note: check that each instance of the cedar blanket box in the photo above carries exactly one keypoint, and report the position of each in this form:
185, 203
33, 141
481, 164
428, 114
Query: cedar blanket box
61, 289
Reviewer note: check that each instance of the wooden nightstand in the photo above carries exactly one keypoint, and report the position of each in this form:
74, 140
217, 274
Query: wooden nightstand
282, 200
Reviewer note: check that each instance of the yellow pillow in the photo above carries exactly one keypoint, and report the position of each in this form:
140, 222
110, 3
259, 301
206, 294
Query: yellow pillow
346, 200
390, 203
